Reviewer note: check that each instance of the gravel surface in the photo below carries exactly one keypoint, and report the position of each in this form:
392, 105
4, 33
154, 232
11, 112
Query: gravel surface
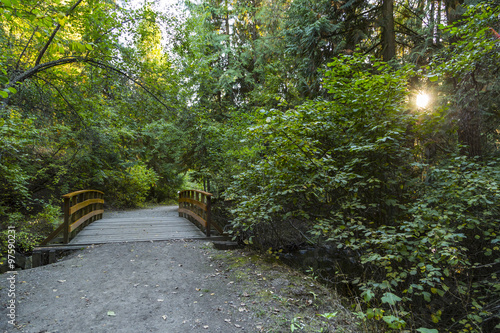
169, 287
158, 211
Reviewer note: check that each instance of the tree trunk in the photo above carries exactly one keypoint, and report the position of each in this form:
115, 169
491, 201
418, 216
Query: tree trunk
388, 34
469, 132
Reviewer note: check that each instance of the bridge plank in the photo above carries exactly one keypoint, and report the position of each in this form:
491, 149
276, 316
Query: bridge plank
134, 229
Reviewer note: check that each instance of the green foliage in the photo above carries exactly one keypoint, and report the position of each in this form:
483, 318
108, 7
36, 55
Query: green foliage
30, 230
67, 125
253, 100
129, 188
475, 42
16, 136
315, 31
347, 154
348, 171
444, 253
465, 73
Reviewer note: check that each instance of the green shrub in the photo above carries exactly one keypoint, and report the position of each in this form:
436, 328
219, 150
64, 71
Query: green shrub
130, 187
30, 230
441, 262
349, 155
349, 171
166, 188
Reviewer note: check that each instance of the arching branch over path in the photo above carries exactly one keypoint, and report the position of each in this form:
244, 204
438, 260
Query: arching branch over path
83, 32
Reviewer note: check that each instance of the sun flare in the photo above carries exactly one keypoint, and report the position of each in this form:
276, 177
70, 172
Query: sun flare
422, 100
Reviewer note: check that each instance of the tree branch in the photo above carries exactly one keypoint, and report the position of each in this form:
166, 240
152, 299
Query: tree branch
25, 48
51, 38
41, 67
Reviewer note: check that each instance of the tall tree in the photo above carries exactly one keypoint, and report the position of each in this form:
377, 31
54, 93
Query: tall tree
388, 34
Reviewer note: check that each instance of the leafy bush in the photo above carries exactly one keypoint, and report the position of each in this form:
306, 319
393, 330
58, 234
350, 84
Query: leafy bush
349, 171
129, 188
30, 230
349, 155
166, 188
16, 137
442, 260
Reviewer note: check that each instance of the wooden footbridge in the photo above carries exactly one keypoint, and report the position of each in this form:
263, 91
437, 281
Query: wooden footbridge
85, 222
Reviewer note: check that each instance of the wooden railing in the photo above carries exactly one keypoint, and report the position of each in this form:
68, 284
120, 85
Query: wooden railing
196, 205
80, 209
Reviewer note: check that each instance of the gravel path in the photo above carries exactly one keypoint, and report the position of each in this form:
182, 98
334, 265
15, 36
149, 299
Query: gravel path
158, 211
168, 286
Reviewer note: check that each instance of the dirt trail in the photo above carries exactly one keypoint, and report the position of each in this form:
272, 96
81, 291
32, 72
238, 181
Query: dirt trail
137, 287
167, 286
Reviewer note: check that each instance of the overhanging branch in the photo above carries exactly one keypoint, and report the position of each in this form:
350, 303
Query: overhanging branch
51, 38
93, 62
117, 70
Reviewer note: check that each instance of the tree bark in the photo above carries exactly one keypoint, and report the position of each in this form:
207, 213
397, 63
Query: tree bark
388, 34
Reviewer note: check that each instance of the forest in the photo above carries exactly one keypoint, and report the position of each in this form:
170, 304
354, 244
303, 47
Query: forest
371, 127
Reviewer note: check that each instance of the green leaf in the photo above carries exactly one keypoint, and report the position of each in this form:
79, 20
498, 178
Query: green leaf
4, 94
390, 298
328, 315
427, 330
7, 3
367, 295
394, 322
12, 90
80, 47
433, 77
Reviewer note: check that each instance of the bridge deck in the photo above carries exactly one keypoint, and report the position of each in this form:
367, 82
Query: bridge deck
159, 223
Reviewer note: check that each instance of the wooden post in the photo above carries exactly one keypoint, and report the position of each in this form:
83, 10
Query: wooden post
195, 208
101, 206
180, 203
37, 259
52, 256
209, 215
66, 220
